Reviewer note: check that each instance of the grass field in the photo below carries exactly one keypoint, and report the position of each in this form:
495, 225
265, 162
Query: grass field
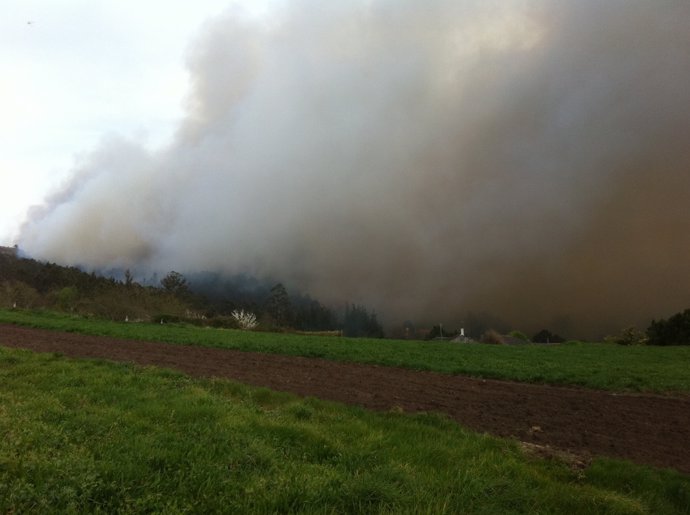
592, 365
90, 436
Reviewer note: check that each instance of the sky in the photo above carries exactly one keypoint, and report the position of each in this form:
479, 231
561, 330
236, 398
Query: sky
76, 71
523, 159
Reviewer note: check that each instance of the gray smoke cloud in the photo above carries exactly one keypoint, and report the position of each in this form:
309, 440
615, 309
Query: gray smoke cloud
526, 158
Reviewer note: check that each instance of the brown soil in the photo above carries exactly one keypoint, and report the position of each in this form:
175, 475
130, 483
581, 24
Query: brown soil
647, 429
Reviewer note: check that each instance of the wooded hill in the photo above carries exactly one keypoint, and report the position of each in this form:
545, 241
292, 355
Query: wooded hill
202, 298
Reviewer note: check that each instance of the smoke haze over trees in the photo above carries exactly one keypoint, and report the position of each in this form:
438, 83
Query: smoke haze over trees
208, 300
523, 158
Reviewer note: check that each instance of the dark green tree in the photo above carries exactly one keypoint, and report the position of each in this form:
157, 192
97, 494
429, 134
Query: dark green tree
438, 331
176, 284
129, 279
359, 323
546, 336
279, 307
674, 331
311, 315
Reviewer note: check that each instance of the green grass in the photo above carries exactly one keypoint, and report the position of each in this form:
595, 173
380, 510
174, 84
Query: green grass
83, 436
592, 365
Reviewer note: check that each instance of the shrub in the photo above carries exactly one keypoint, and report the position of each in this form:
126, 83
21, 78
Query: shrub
493, 337
245, 319
629, 336
519, 335
20, 295
67, 297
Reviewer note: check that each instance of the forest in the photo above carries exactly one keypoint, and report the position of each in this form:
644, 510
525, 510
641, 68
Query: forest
218, 300
199, 298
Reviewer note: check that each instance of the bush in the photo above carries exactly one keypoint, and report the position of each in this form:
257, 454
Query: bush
519, 335
20, 295
493, 337
629, 336
245, 319
67, 297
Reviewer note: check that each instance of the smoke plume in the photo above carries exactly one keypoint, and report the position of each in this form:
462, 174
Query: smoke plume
528, 158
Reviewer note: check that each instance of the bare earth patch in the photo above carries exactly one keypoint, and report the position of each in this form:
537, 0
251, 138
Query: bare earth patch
644, 428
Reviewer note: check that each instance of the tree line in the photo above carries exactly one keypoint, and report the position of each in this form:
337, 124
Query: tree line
201, 298
211, 298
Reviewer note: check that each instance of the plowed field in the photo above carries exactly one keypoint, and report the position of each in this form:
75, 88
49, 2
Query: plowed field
644, 428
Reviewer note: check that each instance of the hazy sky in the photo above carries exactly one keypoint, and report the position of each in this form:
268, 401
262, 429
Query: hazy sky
74, 71
527, 158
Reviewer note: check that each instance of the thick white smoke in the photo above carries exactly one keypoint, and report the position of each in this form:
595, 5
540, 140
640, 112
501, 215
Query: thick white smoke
530, 158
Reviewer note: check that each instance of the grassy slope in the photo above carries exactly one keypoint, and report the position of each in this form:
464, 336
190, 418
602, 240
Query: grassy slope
601, 366
90, 436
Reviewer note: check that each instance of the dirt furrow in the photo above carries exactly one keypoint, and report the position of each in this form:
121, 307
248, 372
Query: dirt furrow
645, 428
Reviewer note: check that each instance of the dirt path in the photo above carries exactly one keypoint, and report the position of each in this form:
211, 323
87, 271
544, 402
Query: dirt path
647, 429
